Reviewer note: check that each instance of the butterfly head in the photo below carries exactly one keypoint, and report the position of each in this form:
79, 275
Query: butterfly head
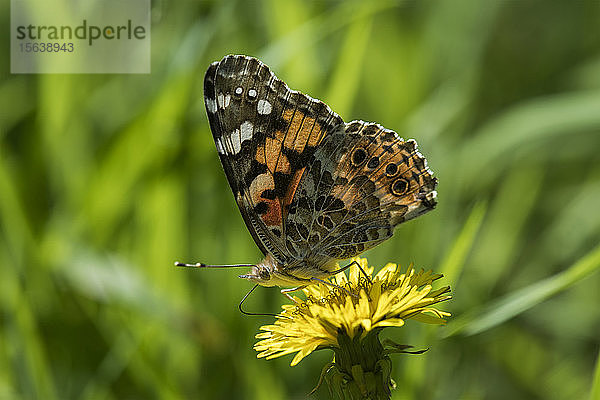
260, 274
269, 273
263, 272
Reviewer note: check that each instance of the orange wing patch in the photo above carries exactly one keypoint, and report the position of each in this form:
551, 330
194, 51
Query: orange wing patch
289, 196
271, 208
303, 130
270, 154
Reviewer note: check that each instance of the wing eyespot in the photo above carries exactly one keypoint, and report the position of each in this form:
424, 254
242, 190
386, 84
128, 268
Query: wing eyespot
391, 169
358, 157
400, 186
373, 163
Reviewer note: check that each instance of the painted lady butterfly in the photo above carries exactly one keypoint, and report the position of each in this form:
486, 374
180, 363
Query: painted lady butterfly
312, 189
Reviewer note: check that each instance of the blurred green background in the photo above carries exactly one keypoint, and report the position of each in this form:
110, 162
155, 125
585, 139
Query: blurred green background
105, 180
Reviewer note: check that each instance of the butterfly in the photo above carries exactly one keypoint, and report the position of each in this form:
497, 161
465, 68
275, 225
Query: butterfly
312, 189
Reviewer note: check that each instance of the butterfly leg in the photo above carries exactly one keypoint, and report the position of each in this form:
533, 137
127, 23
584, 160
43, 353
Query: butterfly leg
361, 270
359, 267
334, 285
289, 290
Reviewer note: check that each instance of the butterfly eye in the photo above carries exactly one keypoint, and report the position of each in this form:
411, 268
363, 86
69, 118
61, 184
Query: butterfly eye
264, 274
391, 169
359, 156
399, 187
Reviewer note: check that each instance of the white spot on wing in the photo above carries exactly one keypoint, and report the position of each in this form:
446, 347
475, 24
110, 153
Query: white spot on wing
264, 107
239, 90
235, 141
211, 105
246, 131
223, 100
252, 93
219, 146
227, 147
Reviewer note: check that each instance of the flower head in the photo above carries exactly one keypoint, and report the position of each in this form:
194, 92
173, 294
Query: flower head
352, 308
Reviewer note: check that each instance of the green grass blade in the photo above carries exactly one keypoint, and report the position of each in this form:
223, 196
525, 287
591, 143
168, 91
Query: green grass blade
595, 392
522, 300
317, 28
543, 120
346, 77
454, 262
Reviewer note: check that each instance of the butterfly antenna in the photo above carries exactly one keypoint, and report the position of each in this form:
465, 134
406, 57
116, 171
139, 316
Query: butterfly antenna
201, 265
251, 313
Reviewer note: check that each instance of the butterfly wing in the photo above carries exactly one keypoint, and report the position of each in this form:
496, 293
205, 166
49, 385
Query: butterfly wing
364, 181
266, 136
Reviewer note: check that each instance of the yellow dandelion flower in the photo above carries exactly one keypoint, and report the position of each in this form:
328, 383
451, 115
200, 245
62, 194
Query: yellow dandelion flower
348, 315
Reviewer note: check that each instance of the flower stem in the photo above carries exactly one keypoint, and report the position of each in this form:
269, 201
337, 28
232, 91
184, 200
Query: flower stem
361, 369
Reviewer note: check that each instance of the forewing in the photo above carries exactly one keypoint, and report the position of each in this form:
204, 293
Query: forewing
266, 136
